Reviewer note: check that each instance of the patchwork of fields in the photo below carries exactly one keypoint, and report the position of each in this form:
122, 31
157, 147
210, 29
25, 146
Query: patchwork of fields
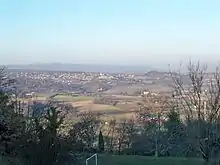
125, 108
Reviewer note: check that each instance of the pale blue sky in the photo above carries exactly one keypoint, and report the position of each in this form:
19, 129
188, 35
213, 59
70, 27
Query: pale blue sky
109, 31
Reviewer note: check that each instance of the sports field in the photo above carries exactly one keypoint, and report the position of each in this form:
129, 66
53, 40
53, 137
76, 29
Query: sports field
141, 160
127, 160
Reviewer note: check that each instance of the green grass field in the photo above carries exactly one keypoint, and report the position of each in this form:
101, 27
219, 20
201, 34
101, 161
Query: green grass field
127, 160
68, 98
141, 160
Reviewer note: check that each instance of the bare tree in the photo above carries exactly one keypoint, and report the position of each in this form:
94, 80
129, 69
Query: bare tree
213, 96
197, 96
130, 131
188, 90
110, 137
121, 135
85, 131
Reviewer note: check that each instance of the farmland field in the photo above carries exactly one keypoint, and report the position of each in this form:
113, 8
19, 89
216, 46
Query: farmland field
69, 98
125, 108
106, 111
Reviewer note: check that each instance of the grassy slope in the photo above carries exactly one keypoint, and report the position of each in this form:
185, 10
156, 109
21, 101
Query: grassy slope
126, 160
138, 160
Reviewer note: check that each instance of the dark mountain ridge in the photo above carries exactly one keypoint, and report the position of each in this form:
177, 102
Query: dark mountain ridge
80, 68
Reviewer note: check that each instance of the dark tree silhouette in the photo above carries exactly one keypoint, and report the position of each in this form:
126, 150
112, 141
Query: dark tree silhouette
101, 142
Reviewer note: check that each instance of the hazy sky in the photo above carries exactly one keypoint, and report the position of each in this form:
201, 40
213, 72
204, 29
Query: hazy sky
109, 31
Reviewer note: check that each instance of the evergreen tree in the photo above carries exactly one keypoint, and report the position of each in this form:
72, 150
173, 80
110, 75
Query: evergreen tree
12, 125
173, 122
101, 142
175, 131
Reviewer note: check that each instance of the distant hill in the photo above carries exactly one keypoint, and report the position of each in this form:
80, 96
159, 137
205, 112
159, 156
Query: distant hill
80, 68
